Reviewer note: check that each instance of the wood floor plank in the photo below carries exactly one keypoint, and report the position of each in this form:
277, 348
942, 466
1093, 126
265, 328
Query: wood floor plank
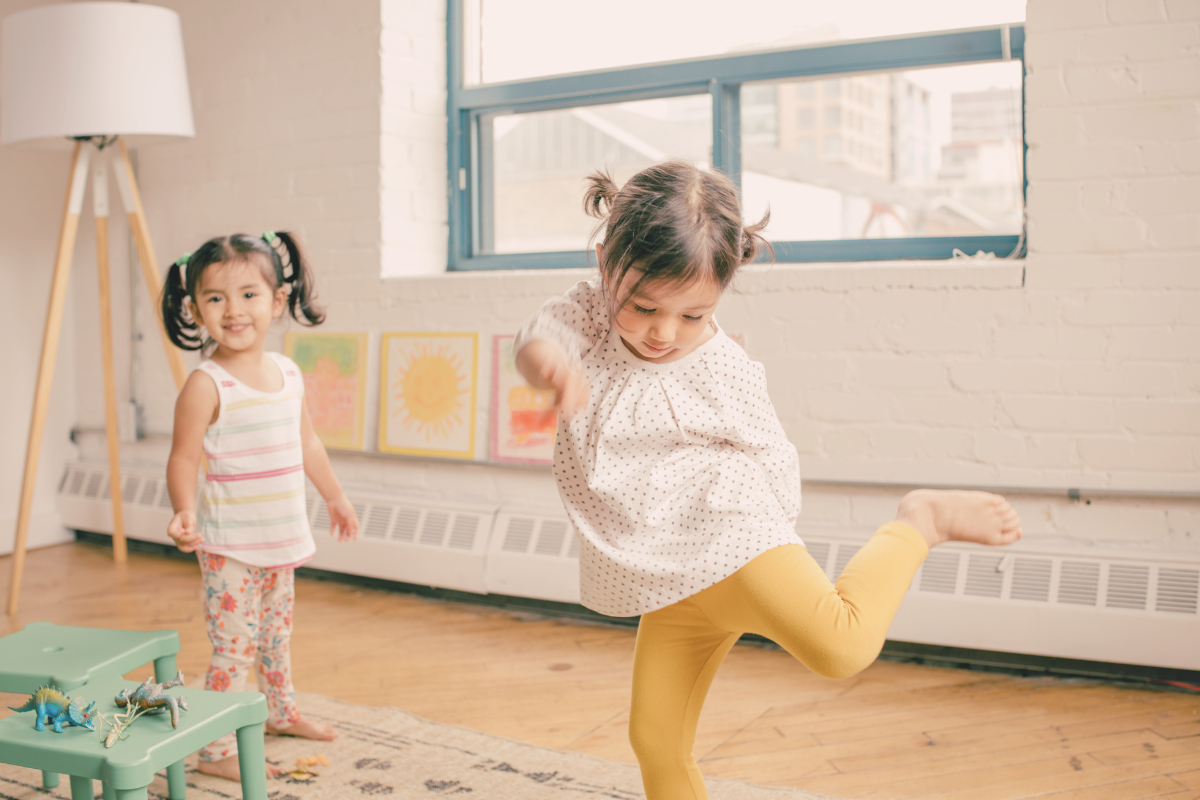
1081, 780
1157, 786
1189, 778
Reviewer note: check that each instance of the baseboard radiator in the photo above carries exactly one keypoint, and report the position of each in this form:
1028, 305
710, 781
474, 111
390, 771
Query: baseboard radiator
1109, 606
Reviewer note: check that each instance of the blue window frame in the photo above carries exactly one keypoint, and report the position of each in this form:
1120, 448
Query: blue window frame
470, 109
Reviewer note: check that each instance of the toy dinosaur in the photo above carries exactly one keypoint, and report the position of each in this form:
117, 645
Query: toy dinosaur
152, 697
51, 704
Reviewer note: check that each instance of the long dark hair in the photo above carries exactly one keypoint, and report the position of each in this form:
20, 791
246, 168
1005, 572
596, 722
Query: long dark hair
672, 221
279, 257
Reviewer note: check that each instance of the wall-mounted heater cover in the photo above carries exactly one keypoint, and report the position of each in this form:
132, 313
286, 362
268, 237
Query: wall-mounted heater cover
1087, 604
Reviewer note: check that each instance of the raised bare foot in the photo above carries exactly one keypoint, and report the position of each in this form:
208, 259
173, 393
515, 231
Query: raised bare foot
943, 516
228, 768
306, 729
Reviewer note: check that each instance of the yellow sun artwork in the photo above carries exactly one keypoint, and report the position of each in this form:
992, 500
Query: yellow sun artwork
428, 394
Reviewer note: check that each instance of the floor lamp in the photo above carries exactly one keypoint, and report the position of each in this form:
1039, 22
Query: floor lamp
92, 73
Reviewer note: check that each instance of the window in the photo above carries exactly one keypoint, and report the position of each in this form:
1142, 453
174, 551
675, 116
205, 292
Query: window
903, 147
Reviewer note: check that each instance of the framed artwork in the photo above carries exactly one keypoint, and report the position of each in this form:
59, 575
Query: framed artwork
427, 388
334, 366
523, 419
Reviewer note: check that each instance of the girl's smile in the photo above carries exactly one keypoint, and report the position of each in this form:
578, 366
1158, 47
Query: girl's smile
235, 304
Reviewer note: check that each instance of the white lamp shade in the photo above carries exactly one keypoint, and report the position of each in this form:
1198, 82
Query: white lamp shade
87, 69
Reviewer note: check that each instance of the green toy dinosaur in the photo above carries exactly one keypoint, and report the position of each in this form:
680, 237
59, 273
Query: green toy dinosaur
51, 704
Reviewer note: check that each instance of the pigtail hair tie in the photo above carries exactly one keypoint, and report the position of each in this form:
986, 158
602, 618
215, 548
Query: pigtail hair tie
283, 256
182, 263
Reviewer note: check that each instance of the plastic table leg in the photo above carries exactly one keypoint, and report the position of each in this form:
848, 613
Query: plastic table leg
164, 670
81, 788
252, 761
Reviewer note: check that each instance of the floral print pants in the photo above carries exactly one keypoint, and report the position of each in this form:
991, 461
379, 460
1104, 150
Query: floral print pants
248, 613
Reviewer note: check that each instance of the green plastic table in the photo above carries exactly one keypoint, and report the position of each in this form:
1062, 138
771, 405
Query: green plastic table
43, 653
128, 767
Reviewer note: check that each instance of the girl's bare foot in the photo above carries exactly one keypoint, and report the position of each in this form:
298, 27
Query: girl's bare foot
228, 768
942, 516
306, 729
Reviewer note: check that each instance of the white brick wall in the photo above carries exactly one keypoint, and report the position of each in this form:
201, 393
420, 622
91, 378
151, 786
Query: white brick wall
1077, 367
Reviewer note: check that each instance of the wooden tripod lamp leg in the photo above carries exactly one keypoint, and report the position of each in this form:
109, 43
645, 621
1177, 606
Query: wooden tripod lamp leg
132, 200
100, 200
41, 398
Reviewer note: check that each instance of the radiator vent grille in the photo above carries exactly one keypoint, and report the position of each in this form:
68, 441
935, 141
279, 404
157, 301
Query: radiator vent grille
462, 533
1079, 583
551, 538
984, 578
149, 493
519, 535
376, 525
1177, 589
1031, 579
1127, 586
940, 573
404, 529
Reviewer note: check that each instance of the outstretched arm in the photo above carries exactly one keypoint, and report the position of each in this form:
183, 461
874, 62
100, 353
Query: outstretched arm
195, 409
550, 347
544, 366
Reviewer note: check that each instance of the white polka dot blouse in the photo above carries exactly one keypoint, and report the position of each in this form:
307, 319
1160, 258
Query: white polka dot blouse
675, 475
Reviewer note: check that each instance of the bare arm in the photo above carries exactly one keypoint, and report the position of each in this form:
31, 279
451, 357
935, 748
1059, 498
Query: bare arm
343, 522
195, 409
544, 366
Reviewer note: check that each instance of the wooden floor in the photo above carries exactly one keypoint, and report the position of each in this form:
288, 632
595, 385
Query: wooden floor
893, 731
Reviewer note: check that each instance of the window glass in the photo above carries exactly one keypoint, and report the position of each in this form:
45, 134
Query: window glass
534, 164
508, 40
928, 152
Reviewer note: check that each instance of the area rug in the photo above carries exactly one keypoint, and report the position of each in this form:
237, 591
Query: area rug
388, 754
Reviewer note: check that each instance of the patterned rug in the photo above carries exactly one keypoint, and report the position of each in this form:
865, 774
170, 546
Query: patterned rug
388, 754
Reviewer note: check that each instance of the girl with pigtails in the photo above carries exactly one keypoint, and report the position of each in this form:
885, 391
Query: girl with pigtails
680, 481
243, 408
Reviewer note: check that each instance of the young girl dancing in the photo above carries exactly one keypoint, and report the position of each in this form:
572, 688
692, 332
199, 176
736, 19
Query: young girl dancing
244, 408
680, 480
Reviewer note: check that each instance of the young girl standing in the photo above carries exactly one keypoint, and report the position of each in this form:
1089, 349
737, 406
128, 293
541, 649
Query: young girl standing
680, 480
244, 409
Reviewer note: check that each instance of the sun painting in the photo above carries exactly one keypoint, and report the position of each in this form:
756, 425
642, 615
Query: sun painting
429, 394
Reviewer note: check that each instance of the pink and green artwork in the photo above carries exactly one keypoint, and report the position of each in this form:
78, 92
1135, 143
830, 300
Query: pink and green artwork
334, 366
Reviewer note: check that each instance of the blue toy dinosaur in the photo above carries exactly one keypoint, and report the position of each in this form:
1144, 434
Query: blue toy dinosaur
51, 704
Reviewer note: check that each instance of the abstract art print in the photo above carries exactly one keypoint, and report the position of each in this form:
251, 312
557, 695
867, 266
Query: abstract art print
334, 366
523, 418
428, 387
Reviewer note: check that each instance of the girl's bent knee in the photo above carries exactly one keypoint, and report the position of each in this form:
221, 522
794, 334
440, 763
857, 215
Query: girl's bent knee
839, 663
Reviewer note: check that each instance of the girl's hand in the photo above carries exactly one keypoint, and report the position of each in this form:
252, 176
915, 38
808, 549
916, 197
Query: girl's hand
571, 388
343, 522
183, 530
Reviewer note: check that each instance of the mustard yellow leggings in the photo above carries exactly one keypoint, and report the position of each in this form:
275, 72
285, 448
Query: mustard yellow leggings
782, 594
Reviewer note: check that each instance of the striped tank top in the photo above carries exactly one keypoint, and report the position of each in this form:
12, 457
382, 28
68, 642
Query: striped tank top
252, 505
